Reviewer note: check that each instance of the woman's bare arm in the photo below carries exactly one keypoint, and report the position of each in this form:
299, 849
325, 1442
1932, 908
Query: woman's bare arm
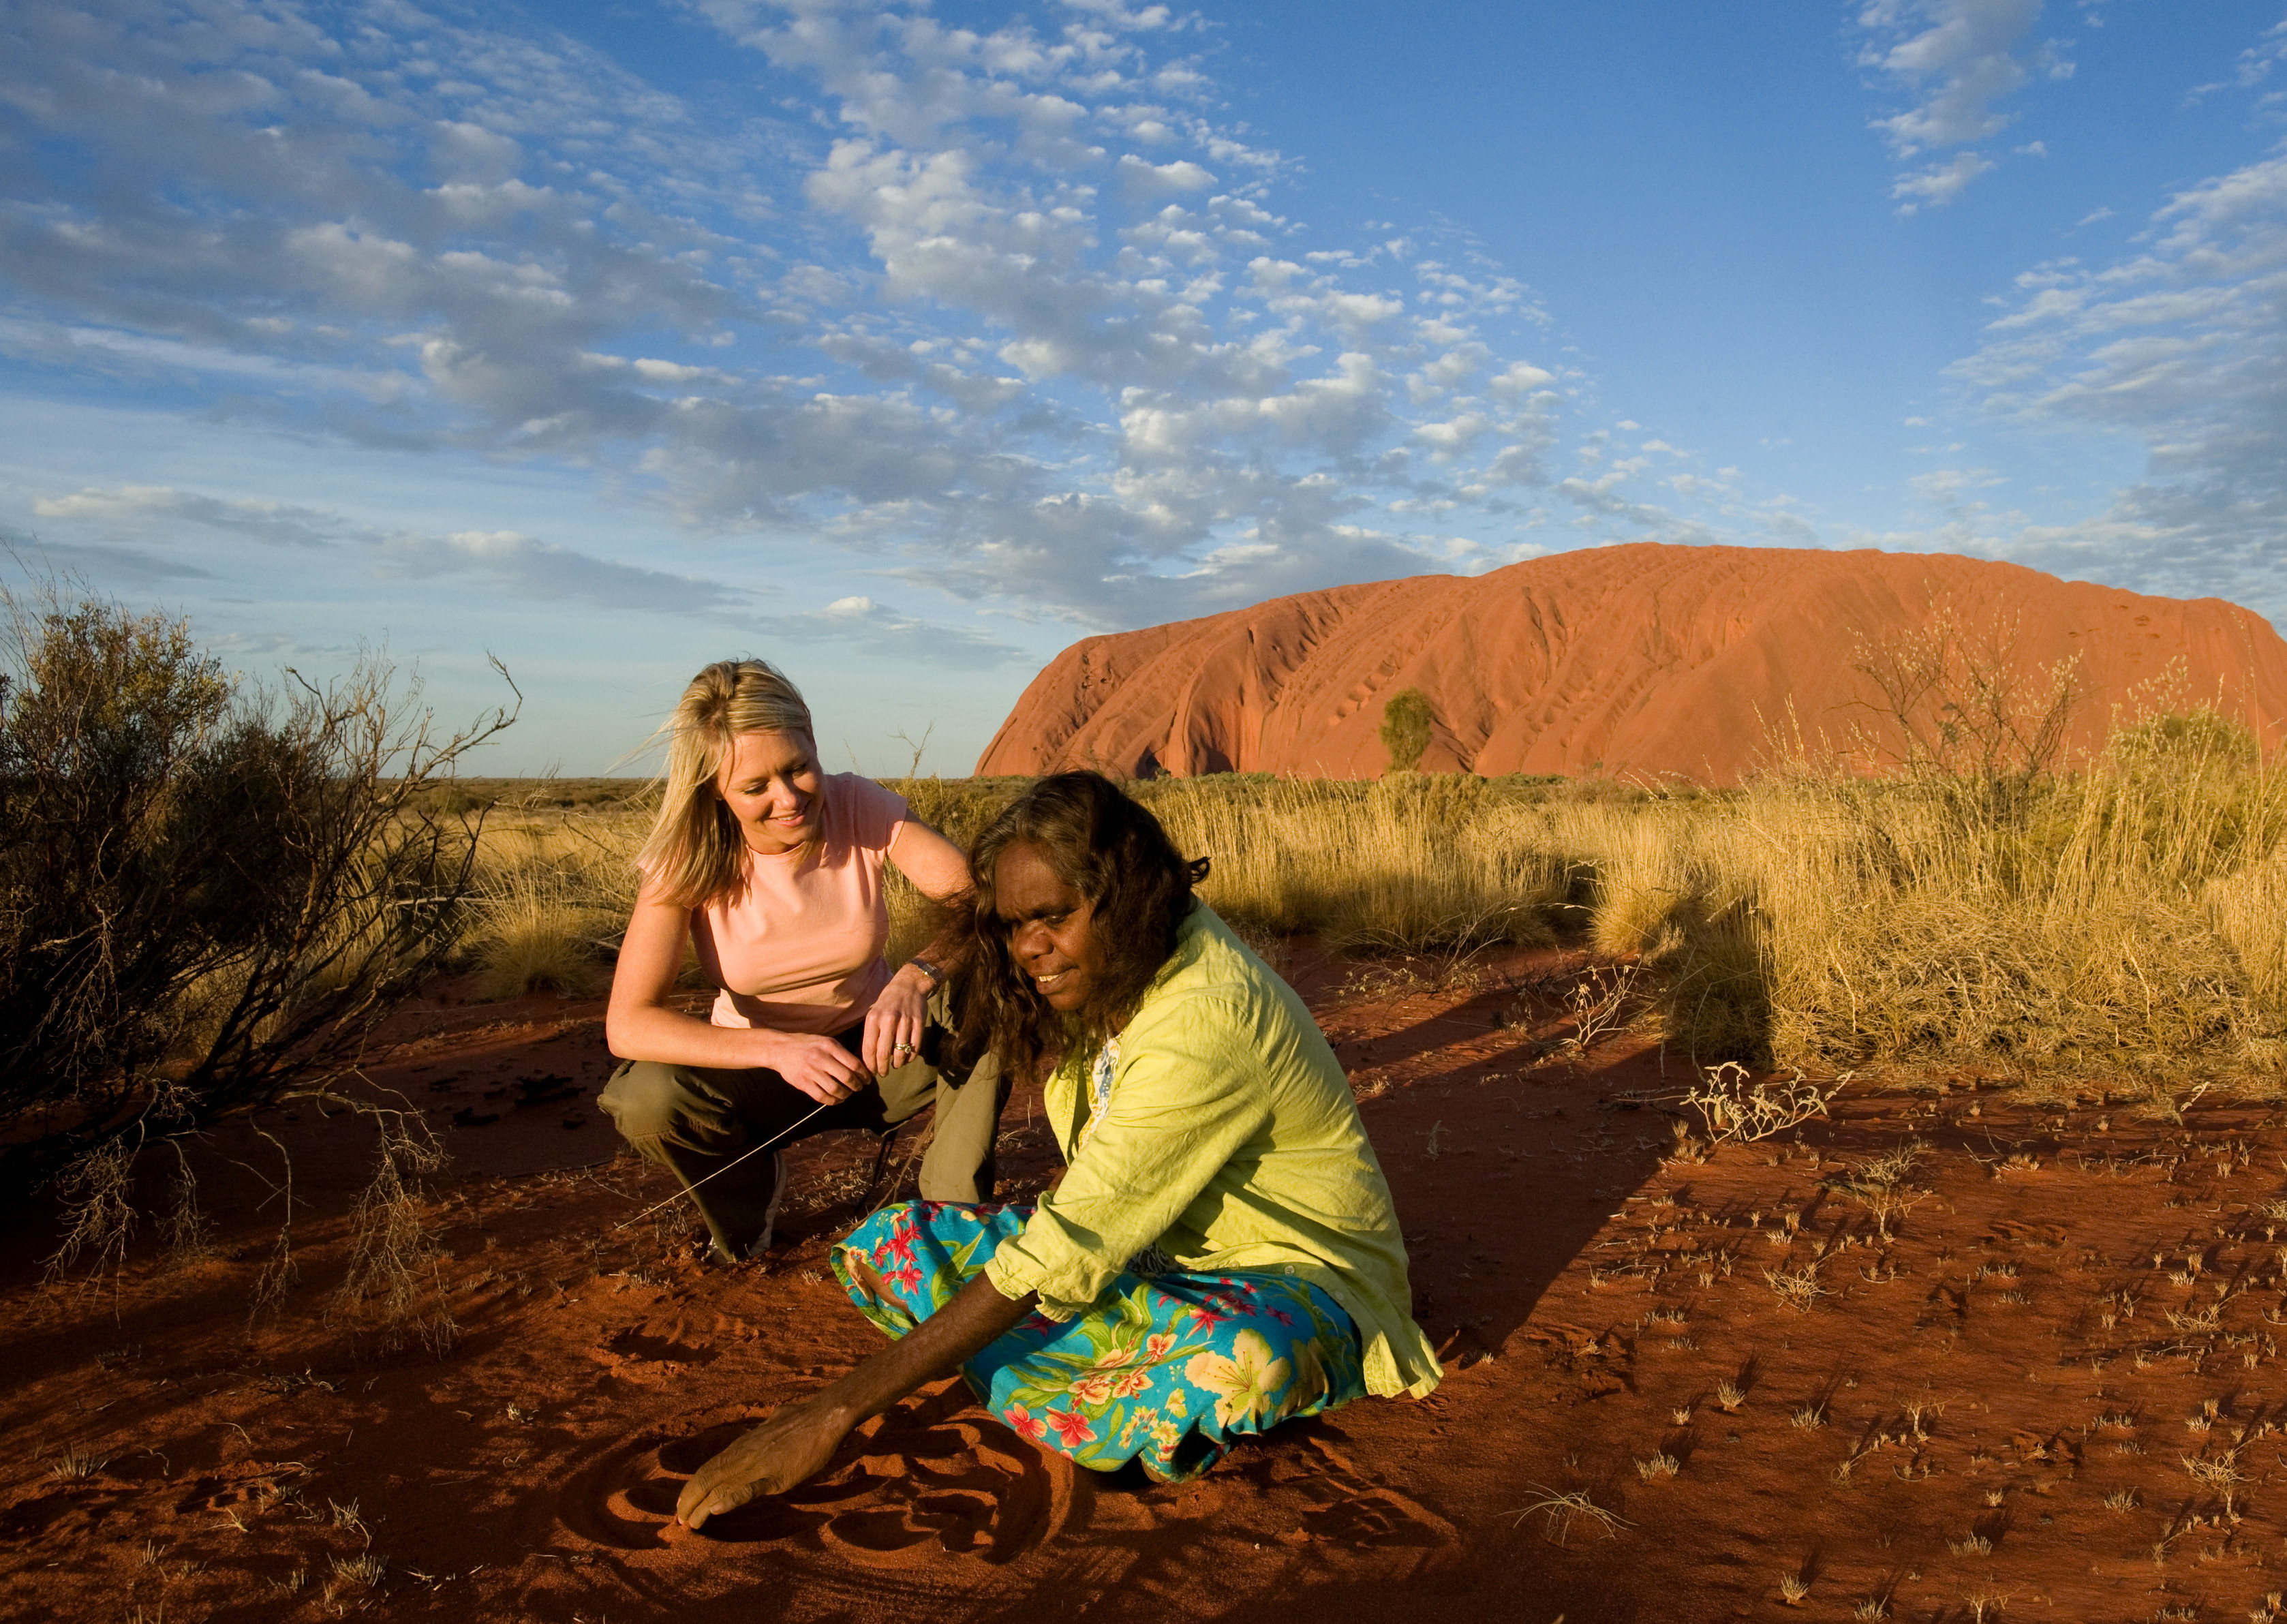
795, 1445
940, 872
641, 1024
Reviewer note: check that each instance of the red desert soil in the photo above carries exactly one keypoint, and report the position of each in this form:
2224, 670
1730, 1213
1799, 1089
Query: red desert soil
1644, 659
2001, 1406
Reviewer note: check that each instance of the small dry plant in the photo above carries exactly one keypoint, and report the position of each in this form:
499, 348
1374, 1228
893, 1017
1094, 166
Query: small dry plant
1731, 1105
1601, 1003
1878, 1184
2221, 1475
394, 1257
1797, 1288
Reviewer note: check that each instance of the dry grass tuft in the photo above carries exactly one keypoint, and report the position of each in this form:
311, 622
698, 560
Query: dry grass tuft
1563, 1511
76, 1465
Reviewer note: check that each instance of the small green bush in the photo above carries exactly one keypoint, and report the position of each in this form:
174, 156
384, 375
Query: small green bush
1405, 722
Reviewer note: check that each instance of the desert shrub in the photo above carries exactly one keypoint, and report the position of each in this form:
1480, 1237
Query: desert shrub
209, 892
1405, 721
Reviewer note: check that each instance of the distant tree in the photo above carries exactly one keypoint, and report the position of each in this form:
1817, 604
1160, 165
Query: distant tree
1405, 729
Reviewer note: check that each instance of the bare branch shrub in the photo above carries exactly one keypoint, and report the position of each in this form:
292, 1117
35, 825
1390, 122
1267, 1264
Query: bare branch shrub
1878, 1184
1603, 1001
209, 893
98, 1210
190, 1233
1959, 701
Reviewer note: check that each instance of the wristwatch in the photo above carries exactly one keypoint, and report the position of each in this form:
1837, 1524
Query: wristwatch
935, 976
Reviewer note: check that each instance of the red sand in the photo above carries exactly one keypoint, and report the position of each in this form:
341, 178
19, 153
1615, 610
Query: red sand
1644, 661
1590, 1299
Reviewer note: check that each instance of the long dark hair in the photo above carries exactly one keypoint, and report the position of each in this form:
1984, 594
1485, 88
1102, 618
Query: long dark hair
1115, 854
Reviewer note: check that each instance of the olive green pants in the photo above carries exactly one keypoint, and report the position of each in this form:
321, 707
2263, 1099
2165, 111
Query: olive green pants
697, 1120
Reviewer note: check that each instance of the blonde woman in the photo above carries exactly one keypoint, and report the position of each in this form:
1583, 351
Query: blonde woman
772, 868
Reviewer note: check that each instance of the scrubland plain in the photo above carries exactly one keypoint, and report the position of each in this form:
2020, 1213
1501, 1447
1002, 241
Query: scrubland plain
2128, 919
1863, 1198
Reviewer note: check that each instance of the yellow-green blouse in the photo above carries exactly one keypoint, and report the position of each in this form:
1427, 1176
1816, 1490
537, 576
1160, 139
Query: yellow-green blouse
1233, 1140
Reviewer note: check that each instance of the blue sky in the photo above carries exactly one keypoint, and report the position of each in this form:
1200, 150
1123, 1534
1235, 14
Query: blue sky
904, 345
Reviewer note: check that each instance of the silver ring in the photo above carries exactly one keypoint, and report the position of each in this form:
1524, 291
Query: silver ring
901, 1049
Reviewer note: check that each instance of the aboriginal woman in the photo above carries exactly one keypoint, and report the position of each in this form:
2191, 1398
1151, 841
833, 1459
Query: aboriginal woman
1221, 1253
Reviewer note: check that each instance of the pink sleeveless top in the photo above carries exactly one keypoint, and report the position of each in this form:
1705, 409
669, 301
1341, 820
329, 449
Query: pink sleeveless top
798, 947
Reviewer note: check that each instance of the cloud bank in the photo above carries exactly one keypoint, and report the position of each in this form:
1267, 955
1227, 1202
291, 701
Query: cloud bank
2182, 348
1012, 322
1011, 316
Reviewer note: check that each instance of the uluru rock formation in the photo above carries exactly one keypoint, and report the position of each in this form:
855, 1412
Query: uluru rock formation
1639, 661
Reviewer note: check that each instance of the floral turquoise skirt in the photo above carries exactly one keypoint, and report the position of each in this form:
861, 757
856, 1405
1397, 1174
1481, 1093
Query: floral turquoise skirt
1166, 1369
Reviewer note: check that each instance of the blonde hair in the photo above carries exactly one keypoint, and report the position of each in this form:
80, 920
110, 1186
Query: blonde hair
696, 852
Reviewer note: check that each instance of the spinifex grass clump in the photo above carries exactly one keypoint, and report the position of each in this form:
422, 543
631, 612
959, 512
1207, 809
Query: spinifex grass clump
2124, 916
551, 894
2108, 919
1411, 865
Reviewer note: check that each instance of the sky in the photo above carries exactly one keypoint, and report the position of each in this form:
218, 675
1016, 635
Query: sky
905, 345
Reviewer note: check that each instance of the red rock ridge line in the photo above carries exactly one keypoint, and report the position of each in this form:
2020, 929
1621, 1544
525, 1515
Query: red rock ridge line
1643, 660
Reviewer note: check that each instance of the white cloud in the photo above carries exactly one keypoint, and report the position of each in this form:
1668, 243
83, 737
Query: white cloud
519, 565
1143, 180
1961, 58
1940, 183
138, 505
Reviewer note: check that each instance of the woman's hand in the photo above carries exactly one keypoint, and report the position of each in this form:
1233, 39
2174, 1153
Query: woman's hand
794, 1446
894, 1024
787, 1450
819, 1066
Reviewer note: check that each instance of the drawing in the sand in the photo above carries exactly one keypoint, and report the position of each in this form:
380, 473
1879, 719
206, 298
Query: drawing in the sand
1221, 1252
772, 868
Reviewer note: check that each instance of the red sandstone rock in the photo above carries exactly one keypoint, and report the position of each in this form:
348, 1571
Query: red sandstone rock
1643, 660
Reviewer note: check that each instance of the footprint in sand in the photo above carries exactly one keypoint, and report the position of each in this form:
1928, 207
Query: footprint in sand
932, 1479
